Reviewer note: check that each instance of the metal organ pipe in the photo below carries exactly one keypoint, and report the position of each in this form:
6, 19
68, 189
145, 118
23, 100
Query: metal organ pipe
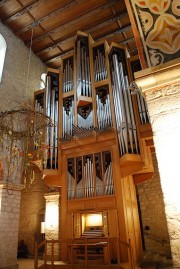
88, 178
83, 86
103, 112
48, 94
142, 107
68, 119
118, 114
67, 76
132, 114
56, 133
70, 186
125, 121
52, 128
100, 70
108, 180
126, 105
52, 109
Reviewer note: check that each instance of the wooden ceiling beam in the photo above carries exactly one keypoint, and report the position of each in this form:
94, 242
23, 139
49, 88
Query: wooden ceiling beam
87, 30
118, 21
57, 56
72, 22
23, 10
54, 58
48, 16
3, 2
120, 31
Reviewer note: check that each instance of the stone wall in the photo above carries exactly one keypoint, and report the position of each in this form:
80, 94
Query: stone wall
17, 87
32, 213
153, 213
13, 87
9, 225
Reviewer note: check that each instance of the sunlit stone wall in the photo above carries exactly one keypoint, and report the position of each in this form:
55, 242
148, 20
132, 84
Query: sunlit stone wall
161, 87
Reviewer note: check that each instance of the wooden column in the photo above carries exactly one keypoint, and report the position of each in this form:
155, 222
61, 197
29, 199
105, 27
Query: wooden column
161, 88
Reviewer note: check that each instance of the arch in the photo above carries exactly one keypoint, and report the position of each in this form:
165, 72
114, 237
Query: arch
43, 81
3, 47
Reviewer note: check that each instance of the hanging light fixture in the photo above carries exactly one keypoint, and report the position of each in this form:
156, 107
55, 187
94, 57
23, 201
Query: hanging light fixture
22, 139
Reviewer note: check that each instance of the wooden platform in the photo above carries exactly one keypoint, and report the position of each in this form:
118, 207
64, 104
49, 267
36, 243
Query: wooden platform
61, 265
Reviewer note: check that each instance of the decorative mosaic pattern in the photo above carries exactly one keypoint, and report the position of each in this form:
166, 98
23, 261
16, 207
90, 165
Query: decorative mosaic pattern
105, 223
77, 225
159, 28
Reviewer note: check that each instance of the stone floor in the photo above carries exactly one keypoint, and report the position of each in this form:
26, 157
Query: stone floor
27, 263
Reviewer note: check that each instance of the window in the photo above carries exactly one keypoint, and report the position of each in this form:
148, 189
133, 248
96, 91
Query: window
43, 81
3, 47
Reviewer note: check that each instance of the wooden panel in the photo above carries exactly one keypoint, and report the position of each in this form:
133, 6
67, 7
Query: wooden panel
132, 217
106, 202
139, 178
90, 204
74, 206
69, 226
113, 234
95, 203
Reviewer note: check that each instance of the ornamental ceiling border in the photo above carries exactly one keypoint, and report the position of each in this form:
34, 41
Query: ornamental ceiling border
158, 24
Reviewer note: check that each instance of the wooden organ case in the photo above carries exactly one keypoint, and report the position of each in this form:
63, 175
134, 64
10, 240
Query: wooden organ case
95, 149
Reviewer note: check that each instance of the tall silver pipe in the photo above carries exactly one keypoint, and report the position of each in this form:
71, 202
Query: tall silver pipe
92, 179
82, 72
48, 88
89, 78
109, 110
126, 105
52, 128
122, 107
111, 183
78, 69
88, 178
85, 74
56, 133
85, 178
95, 69
132, 114
118, 116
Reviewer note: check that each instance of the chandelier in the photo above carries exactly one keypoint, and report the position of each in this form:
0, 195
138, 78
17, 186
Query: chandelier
22, 143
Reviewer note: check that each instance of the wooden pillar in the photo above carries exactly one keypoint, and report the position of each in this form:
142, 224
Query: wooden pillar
161, 88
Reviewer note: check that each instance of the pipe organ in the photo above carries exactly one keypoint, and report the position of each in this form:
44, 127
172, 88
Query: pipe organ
125, 121
99, 62
47, 101
141, 103
89, 176
68, 117
94, 142
83, 78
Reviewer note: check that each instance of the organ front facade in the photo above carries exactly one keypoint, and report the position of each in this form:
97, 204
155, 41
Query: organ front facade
98, 148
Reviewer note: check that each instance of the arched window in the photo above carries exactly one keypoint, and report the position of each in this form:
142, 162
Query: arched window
43, 81
3, 47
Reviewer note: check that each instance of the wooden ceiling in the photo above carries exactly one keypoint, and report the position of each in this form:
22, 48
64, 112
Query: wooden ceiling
49, 27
